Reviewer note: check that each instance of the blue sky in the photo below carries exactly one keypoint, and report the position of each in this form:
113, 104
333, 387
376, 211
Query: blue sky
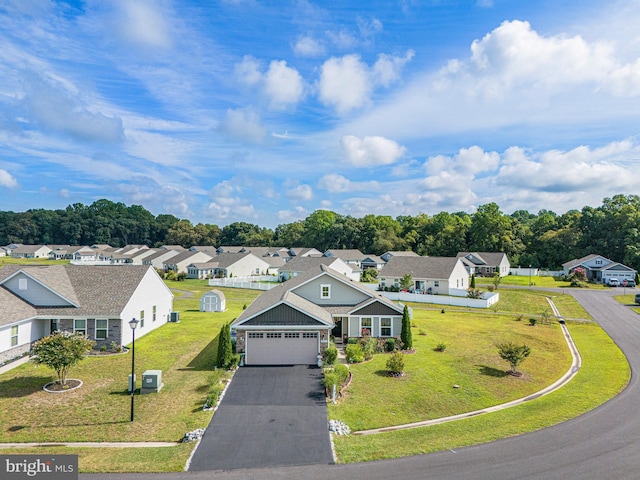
244, 110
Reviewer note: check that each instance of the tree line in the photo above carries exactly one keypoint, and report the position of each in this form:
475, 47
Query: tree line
544, 239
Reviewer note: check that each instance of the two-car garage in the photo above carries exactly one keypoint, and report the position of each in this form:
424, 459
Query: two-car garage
281, 348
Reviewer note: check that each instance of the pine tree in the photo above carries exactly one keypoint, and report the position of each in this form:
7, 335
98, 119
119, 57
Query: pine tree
473, 281
405, 335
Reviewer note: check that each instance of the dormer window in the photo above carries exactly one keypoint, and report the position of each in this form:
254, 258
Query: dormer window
325, 291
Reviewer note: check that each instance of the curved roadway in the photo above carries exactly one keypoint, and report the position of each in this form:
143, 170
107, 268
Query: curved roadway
603, 443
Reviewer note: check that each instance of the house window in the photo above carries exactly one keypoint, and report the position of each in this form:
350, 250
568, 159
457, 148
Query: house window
273, 335
14, 335
53, 325
255, 335
365, 326
153, 318
141, 318
436, 283
385, 327
102, 326
80, 326
325, 291
22, 284
310, 335
291, 335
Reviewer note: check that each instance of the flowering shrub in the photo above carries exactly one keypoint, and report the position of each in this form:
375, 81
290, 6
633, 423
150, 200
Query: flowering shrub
60, 351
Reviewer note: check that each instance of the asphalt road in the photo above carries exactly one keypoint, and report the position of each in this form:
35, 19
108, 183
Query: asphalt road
601, 444
269, 416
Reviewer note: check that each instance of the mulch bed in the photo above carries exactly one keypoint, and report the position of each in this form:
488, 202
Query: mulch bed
55, 387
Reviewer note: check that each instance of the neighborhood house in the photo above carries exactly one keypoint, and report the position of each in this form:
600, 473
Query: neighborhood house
430, 275
600, 269
97, 301
292, 323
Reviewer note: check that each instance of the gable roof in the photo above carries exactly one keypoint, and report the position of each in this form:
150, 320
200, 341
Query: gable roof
285, 293
305, 264
491, 259
345, 254
419, 267
101, 290
579, 261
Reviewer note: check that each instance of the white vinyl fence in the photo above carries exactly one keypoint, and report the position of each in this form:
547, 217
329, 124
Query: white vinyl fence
489, 298
252, 283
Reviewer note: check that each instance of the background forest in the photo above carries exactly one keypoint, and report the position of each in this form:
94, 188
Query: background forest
544, 239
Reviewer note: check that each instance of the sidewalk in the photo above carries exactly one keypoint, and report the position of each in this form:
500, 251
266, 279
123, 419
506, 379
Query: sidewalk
12, 365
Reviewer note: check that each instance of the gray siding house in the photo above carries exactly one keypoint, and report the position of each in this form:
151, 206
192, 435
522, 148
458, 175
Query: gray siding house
292, 323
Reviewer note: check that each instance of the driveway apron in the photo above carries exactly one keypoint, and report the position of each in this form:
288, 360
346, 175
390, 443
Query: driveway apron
269, 416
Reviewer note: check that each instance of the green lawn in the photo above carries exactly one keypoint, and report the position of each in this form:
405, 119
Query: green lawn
30, 261
470, 361
99, 410
523, 281
628, 300
604, 373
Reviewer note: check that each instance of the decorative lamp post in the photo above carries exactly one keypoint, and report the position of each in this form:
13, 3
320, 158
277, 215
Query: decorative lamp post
133, 323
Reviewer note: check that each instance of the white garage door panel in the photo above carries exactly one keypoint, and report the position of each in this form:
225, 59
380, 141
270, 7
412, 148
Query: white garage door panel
285, 349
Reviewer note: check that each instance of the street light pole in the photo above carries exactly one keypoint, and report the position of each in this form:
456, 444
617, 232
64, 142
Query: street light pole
133, 323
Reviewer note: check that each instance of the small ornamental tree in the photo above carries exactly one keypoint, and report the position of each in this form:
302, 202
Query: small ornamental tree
225, 349
60, 351
514, 354
474, 293
496, 279
473, 282
406, 282
395, 363
405, 334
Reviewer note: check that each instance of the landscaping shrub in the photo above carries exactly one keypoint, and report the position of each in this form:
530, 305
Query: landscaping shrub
441, 347
342, 371
395, 363
352, 341
369, 346
390, 345
354, 353
330, 379
533, 321
330, 355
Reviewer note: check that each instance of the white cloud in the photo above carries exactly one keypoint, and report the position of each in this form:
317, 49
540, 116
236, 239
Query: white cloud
370, 151
300, 192
54, 106
249, 70
144, 23
243, 126
7, 180
579, 169
289, 216
468, 160
332, 182
387, 68
229, 201
346, 83
283, 85
514, 54
307, 46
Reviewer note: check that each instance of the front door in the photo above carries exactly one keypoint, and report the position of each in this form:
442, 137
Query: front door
337, 330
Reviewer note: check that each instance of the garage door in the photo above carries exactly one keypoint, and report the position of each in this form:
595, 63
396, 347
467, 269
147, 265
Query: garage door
281, 348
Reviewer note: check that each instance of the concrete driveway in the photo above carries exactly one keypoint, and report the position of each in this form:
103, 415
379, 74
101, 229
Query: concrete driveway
269, 416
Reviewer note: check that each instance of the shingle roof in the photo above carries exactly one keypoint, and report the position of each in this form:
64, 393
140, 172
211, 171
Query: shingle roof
285, 293
419, 267
97, 290
346, 254
573, 263
489, 258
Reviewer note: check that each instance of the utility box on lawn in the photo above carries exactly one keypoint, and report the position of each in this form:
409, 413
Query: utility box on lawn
151, 381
